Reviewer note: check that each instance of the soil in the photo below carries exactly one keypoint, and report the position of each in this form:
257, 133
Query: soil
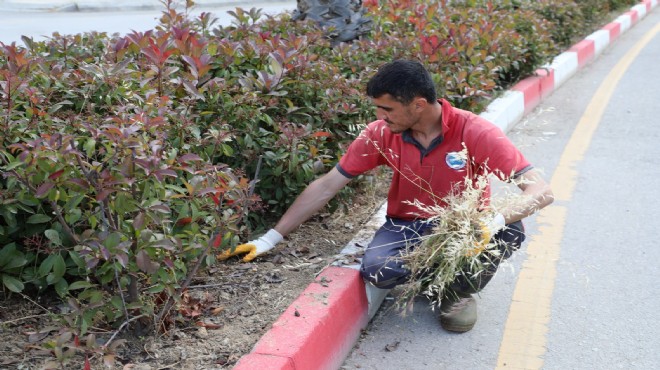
233, 304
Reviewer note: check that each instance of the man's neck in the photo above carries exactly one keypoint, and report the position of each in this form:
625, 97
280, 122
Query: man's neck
429, 126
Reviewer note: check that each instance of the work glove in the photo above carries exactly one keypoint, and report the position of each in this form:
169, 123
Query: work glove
254, 248
487, 228
491, 227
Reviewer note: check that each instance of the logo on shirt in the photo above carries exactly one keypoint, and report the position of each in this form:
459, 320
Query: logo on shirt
456, 160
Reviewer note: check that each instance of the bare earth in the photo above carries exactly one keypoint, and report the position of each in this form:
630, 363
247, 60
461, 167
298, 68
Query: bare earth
232, 305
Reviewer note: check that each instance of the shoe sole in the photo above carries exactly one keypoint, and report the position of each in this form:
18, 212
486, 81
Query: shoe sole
456, 328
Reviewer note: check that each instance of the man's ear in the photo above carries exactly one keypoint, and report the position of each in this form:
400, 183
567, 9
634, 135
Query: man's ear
420, 104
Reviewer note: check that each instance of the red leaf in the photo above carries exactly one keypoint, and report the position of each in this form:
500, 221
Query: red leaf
184, 221
88, 366
79, 182
138, 222
321, 134
104, 194
44, 189
55, 174
217, 241
145, 263
189, 158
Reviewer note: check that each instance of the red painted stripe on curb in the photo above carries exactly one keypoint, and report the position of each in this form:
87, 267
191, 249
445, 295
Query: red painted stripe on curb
634, 17
614, 29
254, 361
648, 5
585, 50
324, 329
547, 77
535, 88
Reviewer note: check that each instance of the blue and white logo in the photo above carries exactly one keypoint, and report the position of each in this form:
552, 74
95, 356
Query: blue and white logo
456, 160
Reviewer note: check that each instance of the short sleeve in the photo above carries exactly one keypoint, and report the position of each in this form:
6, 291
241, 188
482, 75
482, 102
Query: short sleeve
492, 151
365, 152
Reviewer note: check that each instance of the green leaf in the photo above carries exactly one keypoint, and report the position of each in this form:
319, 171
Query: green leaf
62, 287
47, 265
156, 289
75, 257
59, 266
82, 284
16, 261
13, 165
7, 252
53, 236
12, 283
52, 279
112, 240
73, 216
39, 218
227, 150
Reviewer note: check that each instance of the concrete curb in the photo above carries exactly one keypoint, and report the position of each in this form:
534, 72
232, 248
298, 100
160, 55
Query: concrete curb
331, 317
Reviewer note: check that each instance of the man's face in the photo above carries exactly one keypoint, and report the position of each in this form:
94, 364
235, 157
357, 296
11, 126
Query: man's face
399, 117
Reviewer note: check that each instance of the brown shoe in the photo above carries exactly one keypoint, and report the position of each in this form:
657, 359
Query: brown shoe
458, 313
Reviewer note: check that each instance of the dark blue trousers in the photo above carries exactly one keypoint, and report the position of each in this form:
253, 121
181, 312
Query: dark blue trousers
382, 268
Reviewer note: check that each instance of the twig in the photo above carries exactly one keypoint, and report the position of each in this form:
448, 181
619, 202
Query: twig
120, 328
169, 366
121, 294
33, 302
207, 286
170, 301
251, 189
22, 318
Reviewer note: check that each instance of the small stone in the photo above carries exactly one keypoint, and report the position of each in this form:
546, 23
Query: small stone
202, 332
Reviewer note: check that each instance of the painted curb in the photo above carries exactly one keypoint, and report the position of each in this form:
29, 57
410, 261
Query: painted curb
318, 329
331, 317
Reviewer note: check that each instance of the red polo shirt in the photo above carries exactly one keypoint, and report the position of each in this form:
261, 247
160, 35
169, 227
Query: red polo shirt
428, 175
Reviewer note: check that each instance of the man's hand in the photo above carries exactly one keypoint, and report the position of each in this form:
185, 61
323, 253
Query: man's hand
487, 229
254, 248
491, 227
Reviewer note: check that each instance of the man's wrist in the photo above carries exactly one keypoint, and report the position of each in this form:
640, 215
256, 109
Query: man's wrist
272, 237
497, 222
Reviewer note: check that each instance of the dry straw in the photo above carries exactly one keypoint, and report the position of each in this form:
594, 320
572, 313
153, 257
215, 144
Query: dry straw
454, 248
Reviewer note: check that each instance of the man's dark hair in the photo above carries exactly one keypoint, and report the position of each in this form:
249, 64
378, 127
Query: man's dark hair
404, 80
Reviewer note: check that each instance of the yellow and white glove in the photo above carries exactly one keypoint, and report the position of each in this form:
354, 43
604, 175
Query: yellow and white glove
491, 227
254, 248
487, 229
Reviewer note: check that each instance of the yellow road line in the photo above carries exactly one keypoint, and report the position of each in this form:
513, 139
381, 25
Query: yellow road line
525, 333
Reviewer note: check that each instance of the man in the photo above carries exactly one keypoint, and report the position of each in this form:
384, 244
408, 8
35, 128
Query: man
424, 140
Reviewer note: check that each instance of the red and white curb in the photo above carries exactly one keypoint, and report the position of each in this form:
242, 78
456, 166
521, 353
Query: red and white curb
507, 110
318, 330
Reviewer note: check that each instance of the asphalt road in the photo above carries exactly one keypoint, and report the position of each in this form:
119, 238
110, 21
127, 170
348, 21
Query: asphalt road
595, 249
41, 25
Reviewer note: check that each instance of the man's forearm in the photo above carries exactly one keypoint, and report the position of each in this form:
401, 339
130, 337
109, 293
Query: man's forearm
537, 193
311, 200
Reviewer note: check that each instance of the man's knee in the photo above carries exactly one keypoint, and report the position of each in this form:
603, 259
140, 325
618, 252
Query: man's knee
385, 275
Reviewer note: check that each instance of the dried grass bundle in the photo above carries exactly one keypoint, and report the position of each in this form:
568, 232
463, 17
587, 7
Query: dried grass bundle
454, 247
